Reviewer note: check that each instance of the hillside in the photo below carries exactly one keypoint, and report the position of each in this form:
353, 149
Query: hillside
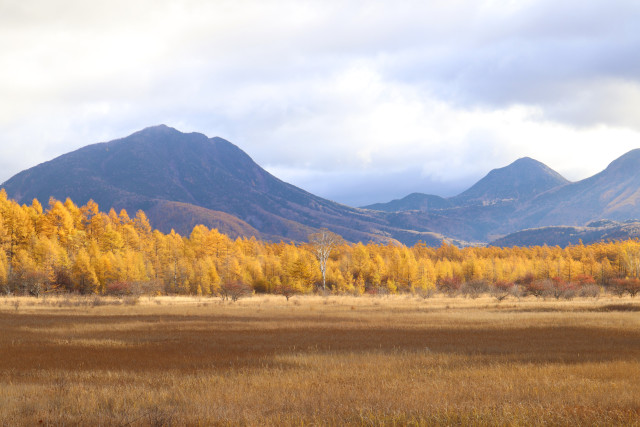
565, 235
613, 194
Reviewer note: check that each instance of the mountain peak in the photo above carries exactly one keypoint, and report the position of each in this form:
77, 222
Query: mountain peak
157, 129
161, 126
525, 161
525, 177
164, 132
163, 137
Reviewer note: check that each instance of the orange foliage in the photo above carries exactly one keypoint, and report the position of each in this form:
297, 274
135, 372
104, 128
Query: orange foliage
80, 249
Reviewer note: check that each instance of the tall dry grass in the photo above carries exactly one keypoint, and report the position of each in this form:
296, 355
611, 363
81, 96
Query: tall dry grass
317, 360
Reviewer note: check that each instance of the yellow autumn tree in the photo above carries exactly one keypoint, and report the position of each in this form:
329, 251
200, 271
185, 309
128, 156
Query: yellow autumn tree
83, 275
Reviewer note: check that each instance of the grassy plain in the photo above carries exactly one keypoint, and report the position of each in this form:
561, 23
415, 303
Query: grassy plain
319, 360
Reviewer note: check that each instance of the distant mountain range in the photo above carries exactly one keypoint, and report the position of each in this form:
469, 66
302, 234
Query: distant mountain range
521, 180
183, 179
529, 195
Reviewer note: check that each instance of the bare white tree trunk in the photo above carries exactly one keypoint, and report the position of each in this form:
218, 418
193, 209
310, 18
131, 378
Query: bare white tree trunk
323, 243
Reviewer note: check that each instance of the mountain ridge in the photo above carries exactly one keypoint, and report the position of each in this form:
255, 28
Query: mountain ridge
181, 179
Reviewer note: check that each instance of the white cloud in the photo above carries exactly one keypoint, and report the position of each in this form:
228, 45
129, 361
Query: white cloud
338, 97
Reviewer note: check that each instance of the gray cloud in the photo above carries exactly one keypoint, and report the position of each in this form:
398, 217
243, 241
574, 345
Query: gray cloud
357, 188
561, 56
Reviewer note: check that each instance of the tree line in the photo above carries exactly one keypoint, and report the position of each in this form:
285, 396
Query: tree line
70, 248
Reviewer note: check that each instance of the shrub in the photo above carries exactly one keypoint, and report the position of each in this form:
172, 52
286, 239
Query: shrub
377, 290
590, 291
97, 301
538, 288
502, 289
616, 287
119, 288
474, 288
234, 290
630, 286
526, 280
561, 289
517, 291
449, 285
584, 280
131, 300
633, 287
287, 290
425, 292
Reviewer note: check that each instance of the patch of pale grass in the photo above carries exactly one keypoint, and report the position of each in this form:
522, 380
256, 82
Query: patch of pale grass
79, 342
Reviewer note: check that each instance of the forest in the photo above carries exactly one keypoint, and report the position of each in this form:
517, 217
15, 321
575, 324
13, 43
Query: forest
79, 249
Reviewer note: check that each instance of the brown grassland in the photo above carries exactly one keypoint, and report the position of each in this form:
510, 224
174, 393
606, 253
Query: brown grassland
319, 360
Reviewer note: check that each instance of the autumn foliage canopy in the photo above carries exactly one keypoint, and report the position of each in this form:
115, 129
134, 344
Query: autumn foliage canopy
67, 248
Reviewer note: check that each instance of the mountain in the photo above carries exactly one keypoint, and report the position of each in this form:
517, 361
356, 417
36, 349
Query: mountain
521, 180
182, 179
414, 201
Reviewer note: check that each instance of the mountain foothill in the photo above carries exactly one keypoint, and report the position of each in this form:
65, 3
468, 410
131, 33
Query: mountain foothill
184, 179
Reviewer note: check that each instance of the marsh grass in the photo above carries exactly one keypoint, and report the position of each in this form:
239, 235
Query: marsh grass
319, 360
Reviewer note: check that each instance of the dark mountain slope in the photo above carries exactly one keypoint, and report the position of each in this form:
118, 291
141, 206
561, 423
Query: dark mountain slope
566, 235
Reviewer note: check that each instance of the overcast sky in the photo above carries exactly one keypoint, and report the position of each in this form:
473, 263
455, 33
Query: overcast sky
359, 102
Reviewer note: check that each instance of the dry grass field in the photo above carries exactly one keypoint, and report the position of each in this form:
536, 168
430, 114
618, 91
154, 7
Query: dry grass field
319, 360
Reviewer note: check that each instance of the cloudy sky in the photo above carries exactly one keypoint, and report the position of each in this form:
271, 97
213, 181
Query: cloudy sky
359, 102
